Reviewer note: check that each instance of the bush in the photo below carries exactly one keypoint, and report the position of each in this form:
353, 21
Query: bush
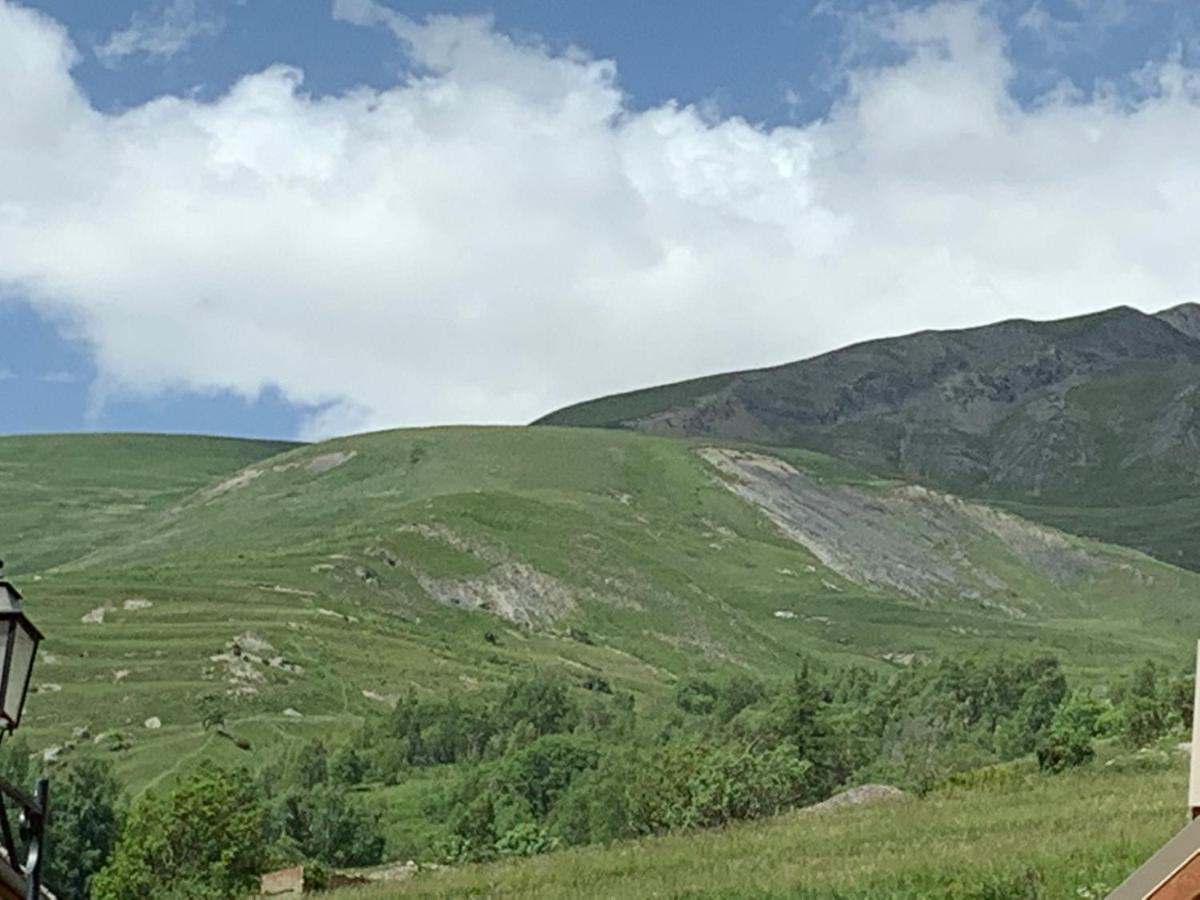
526, 839
348, 766
540, 702
83, 826
542, 771
696, 696
1068, 741
688, 784
595, 808
312, 764
205, 839
327, 824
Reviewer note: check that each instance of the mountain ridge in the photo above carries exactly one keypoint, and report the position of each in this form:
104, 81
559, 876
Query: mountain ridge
1097, 411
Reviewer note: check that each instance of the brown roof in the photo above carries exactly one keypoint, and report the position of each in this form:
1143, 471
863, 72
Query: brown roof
1158, 869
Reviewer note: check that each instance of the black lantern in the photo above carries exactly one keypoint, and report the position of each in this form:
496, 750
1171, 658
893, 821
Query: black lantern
19, 645
19, 641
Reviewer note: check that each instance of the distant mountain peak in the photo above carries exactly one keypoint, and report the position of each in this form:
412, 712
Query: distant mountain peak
1184, 318
1067, 411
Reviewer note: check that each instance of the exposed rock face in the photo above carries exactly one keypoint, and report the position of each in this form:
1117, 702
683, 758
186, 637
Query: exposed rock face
925, 544
512, 590
240, 480
318, 465
1185, 317
863, 795
96, 616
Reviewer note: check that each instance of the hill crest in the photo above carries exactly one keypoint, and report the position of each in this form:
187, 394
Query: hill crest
1096, 411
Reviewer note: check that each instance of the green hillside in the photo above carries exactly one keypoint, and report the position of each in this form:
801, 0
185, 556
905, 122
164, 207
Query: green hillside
64, 495
1090, 423
317, 584
1022, 838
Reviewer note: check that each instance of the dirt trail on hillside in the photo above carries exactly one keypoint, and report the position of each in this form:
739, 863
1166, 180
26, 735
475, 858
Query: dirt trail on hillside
927, 545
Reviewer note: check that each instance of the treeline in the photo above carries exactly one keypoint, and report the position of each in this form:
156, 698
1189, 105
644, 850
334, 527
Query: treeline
542, 764
547, 762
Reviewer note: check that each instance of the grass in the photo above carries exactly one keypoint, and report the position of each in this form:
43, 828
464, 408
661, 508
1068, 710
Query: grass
1070, 836
67, 494
612, 411
1092, 430
629, 538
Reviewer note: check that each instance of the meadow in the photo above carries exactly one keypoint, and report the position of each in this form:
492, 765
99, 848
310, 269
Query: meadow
377, 563
1028, 837
306, 589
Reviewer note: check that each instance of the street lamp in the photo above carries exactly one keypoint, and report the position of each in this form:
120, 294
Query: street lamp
19, 641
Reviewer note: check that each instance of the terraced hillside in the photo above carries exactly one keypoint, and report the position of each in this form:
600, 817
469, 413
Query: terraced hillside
317, 583
1091, 424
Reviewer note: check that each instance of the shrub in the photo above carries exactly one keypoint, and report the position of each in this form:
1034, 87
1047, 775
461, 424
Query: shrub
526, 839
1068, 741
83, 826
542, 771
696, 696
688, 784
327, 824
205, 839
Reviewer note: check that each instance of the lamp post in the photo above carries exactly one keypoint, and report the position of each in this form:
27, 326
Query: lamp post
19, 641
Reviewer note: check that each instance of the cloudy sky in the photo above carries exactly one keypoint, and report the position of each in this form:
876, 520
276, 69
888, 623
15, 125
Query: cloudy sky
297, 217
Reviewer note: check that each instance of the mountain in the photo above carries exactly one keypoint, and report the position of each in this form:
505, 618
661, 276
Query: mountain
1090, 423
315, 583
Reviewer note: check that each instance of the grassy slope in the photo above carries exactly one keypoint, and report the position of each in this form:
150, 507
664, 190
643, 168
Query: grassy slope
670, 572
1131, 424
1067, 836
64, 495
1152, 508
613, 410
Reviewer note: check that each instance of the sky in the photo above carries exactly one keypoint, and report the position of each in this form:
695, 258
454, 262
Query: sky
302, 218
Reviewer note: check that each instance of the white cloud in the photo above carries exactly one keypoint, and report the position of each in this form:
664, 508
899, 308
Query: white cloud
6, 374
169, 29
501, 234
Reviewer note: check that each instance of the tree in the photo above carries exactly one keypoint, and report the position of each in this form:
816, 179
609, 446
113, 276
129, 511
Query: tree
15, 763
540, 772
735, 695
540, 701
692, 784
327, 824
1146, 711
312, 764
596, 807
83, 826
348, 766
1180, 696
473, 830
1068, 741
799, 717
913, 748
204, 839
1048, 687
696, 696
212, 711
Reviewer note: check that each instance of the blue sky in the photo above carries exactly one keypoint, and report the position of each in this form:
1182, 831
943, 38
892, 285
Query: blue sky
352, 215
